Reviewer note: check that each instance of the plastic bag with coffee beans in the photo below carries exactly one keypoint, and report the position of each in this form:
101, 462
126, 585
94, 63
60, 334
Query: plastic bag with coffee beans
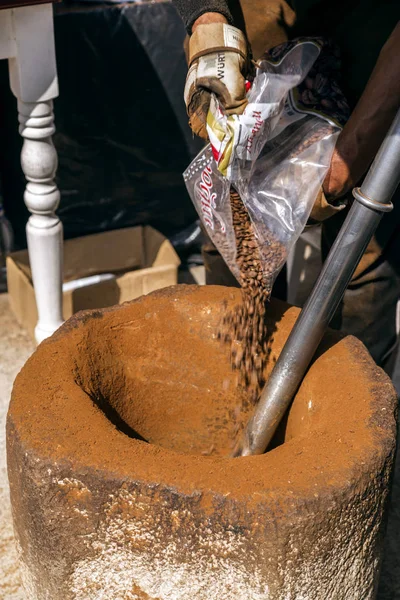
256, 182
275, 156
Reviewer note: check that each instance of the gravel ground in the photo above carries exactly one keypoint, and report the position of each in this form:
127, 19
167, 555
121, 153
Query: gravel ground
15, 348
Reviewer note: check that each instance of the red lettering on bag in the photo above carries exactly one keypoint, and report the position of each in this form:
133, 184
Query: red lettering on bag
257, 126
207, 198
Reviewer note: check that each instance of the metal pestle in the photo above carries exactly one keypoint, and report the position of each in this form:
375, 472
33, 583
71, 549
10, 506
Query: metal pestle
371, 201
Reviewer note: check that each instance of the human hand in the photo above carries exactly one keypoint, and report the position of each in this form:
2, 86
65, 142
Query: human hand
218, 61
341, 177
347, 167
350, 160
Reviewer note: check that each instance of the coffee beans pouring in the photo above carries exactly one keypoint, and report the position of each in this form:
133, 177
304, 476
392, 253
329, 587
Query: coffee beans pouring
244, 327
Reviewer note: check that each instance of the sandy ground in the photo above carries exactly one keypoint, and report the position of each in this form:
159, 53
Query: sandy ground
15, 348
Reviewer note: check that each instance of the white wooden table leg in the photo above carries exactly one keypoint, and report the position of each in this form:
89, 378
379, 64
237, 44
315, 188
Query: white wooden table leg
33, 79
44, 229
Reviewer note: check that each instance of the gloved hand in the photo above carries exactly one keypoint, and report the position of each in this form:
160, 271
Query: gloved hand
218, 63
322, 209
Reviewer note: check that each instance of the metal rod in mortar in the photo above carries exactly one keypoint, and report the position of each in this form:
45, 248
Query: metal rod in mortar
372, 200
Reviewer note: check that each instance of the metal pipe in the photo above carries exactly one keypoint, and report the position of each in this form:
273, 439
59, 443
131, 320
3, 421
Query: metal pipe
372, 200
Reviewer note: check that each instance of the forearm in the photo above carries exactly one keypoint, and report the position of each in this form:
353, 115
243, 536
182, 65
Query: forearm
368, 124
191, 10
376, 109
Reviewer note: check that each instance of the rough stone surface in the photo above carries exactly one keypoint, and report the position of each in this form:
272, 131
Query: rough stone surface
389, 583
101, 514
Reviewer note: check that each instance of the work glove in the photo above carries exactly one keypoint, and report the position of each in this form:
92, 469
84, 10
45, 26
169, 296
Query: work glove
323, 209
218, 63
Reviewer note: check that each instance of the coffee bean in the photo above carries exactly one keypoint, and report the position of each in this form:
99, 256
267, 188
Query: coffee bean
245, 324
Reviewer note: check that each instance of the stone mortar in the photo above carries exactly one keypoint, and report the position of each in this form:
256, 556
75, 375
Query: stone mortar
118, 434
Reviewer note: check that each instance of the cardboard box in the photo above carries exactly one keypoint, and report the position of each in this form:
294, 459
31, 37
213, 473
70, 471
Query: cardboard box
141, 258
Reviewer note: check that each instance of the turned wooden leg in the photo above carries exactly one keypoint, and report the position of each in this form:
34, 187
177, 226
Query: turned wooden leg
33, 80
44, 229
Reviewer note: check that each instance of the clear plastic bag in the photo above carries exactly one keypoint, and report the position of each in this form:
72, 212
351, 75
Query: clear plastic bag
275, 155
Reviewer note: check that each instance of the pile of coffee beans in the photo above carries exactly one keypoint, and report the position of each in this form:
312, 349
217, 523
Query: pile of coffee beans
245, 326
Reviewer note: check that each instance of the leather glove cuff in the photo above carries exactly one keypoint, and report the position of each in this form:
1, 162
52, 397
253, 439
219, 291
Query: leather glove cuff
323, 209
216, 37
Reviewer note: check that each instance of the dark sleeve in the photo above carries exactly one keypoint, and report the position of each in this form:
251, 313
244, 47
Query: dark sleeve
190, 10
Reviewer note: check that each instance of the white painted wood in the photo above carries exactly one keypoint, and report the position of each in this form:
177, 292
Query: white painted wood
33, 80
33, 71
44, 229
7, 41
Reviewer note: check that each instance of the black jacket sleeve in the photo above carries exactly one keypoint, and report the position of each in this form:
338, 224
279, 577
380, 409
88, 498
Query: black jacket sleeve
190, 10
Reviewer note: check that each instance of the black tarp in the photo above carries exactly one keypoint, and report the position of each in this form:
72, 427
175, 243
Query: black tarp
122, 135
